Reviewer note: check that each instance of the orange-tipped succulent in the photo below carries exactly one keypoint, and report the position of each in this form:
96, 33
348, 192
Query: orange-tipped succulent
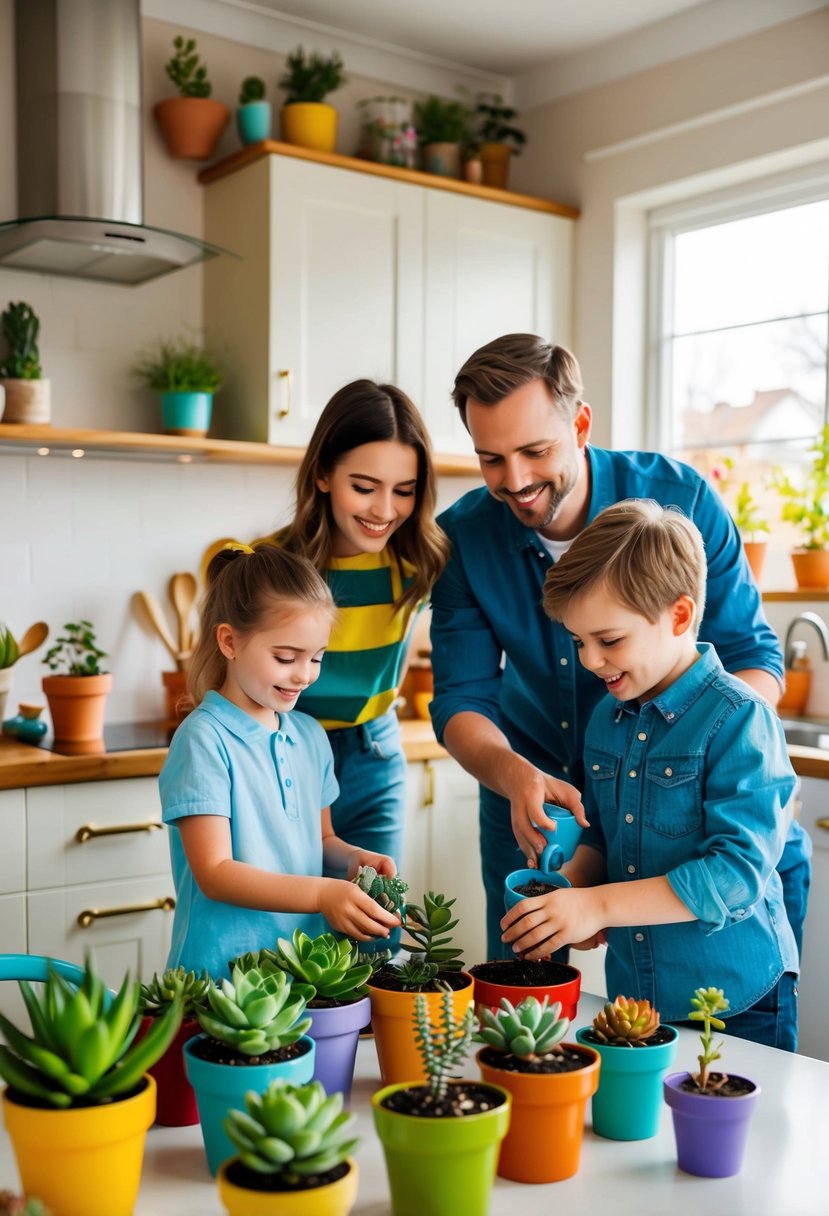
626, 1022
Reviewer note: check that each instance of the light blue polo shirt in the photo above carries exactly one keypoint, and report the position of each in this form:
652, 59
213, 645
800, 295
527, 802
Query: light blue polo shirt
272, 786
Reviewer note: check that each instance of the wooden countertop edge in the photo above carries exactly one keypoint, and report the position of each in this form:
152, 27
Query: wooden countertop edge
809, 761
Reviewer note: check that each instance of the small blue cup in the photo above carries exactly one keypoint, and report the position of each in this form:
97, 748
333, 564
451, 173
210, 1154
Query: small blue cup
519, 877
561, 844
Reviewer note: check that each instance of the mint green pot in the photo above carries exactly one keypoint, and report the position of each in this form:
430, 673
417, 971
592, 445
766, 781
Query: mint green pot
186, 413
628, 1103
440, 1167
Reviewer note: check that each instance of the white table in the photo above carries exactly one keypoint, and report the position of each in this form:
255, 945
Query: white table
785, 1173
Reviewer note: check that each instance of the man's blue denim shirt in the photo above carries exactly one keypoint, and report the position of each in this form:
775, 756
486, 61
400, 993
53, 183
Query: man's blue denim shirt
693, 785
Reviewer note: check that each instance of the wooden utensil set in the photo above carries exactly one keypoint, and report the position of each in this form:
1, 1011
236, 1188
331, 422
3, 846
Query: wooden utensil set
183, 590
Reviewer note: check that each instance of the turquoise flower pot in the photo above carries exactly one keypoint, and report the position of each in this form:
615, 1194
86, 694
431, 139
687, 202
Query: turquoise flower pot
628, 1103
186, 413
253, 121
222, 1087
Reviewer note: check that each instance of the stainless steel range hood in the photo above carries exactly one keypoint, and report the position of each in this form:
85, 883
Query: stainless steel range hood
79, 148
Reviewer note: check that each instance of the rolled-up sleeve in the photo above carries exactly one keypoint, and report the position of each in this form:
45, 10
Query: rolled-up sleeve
749, 781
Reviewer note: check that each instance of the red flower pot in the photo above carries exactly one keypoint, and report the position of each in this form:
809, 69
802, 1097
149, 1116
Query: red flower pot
176, 1105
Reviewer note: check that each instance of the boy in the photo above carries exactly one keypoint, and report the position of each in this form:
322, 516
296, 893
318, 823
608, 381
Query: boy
686, 780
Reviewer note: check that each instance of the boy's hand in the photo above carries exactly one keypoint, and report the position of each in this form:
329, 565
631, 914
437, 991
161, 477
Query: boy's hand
538, 926
351, 911
527, 791
382, 864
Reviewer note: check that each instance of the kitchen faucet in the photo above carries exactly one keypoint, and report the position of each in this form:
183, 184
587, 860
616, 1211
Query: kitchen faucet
809, 618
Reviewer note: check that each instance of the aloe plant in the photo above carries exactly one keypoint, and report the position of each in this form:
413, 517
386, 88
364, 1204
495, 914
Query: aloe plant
163, 989
389, 893
254, 1012
292, 1131
706, 1003
529, 1030
81, 1050
443, 1046
429, 928
330, 965
626, 1022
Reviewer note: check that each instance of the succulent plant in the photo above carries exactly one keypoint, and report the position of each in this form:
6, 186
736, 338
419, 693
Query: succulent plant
444, 1046
331, 965
175, 981
16, 1205
81, 1049
706, 1003
254, 1012
186, 71
9, 649
252, 89
292, 1131
311, 77
415, 974
20, 326
530, 1029
389, 893
425, 926
626, 1022
266, 962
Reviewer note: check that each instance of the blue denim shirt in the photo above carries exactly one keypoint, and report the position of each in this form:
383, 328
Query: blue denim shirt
488, 604
693, 785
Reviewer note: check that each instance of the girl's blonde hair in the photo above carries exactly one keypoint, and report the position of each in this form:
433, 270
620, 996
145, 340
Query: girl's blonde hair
365, 412
242, 585
646, 555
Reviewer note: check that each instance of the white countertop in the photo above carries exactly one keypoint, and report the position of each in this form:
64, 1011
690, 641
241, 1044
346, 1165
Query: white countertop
785, 1173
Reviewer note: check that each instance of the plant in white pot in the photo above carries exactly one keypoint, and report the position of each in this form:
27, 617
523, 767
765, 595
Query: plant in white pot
26, 392
253, 117
186, 375
191, 123
306, 119
78, 688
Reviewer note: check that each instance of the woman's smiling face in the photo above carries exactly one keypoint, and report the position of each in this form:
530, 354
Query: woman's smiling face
372, 492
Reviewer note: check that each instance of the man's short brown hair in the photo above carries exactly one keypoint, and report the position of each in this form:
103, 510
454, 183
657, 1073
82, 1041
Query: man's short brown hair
510, 362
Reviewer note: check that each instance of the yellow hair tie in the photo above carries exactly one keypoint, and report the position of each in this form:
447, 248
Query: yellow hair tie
237, 547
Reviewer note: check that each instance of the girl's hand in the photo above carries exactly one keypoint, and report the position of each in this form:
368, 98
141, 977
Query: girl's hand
351, 911
536, 927
382, 864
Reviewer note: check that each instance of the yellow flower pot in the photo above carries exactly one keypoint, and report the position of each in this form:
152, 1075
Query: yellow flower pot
85, 1161
335, 1199
310, 124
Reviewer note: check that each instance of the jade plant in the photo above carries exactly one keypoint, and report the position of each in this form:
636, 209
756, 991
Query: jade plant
311, 77
291, 1132
191, 989
81, 1051
528, 1030
625, 1022
254, 1012
186, 72
442, 1046
429, 927
20, 326
807, 505
706, 1003
389, 893
330, 965
77, 654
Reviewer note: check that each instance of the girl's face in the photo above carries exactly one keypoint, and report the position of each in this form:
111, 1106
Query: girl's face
372, 493
268, 668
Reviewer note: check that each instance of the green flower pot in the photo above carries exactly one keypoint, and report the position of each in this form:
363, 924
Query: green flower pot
628, 1103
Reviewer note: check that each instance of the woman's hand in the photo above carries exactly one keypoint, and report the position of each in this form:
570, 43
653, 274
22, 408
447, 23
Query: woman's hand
351, 911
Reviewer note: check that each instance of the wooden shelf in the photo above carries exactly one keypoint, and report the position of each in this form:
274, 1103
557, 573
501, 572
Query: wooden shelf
270, 147
28, 440
802, 595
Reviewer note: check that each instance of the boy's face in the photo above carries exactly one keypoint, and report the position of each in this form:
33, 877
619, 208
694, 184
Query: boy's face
636, 658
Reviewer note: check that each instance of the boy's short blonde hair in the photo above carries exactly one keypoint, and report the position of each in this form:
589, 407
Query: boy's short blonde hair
646, 555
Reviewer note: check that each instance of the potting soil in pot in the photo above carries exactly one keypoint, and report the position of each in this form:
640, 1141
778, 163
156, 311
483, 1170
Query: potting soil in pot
564, 1060
463, 1098
220, 1053
520, 974
388, 979
732, 1087
252, 1180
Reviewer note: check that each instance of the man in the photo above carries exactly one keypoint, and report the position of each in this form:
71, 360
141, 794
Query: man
511, 699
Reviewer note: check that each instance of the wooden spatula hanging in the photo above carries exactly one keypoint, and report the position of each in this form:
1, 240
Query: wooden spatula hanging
183, 593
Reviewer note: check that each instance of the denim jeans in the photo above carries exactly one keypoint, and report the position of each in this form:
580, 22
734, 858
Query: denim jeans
795, 870
371, 808
771, 1021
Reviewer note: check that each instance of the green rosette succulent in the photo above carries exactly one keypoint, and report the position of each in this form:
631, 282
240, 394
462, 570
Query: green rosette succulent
626, 1022
429, 928
292, 1131
330, 965
530, 1029
163, 989
389, 893
81, 1050
415, 974
254, 1012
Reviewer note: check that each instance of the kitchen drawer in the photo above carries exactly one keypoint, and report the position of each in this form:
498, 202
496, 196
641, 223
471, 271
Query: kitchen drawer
132, 937
13, 835
55, 814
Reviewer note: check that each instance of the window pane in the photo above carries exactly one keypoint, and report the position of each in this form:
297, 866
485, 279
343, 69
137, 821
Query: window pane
755, 269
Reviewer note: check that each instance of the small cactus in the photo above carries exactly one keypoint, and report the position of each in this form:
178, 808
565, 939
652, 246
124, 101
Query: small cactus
254, 1012
389, 893
20, 326
626, 1022
175, 981
706, 1003
253, 89
444, 1046
530, 1029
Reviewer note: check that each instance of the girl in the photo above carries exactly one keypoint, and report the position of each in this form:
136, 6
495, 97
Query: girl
243, 782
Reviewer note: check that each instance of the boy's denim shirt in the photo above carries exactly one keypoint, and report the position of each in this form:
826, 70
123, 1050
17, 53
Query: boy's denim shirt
693, 785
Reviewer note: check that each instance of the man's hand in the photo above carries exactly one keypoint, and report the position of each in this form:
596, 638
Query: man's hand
528, 789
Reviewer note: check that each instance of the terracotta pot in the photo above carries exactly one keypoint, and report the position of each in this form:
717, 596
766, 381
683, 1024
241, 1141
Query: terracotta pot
495, 159
756, 556
796, 692
333, 1199
811, 567
310, 124
392, 1019
27, 401
175, 688
77, 705
473, 172
191, 126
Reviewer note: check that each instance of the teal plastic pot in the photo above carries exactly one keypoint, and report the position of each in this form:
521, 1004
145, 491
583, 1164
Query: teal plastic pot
440, 1167
628, 1103
222, 1087
253, 121
186, 413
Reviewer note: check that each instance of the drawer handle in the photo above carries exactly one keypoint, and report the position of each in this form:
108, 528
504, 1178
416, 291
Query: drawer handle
285, 395
429, 792
90, 915
89, 831
822, 823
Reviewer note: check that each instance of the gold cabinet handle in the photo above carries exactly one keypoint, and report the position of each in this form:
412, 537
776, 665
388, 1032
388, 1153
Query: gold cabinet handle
429, 793
284, 375
88, 831
822, 823
90, 915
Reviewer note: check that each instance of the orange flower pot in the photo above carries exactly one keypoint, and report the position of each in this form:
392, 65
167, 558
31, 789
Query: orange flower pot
543, 1143
393, 1023
811, 567
77, 705
191, 126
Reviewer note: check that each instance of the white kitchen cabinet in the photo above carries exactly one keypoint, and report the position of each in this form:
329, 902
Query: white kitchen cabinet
12, 892
348, 274
814, 976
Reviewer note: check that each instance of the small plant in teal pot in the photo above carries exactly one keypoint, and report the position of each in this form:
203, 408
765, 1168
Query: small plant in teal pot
253, 117
186, 375
635, 1051
711, 1110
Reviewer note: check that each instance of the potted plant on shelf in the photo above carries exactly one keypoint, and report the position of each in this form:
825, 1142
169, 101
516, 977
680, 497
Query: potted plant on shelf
440, 1138
807, 507
186, 375
635, 1051
77, 689
253, 117
752, 525
191, 123
306, 119
79, 1099
550, 1083
176, 1102
498, 137
27, 394
294, 1154
442, 129
711, 1110
253, 1032
10, 652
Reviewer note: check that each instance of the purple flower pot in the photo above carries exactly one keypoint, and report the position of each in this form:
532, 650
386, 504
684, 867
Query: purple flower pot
336, 1032
710, 1132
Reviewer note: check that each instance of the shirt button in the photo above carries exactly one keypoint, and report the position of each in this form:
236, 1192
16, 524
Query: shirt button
631, 869
628, 818
563, 662
539, 552
632, 773
642, 735
565, 768
564, 725
288, 782
670, 717
595, 767
669, 772
639, 937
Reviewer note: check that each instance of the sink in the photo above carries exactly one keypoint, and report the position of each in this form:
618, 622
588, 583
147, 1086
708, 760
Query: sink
801, 732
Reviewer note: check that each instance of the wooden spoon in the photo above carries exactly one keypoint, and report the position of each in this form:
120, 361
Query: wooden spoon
152, 609
34, 636
183, 592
